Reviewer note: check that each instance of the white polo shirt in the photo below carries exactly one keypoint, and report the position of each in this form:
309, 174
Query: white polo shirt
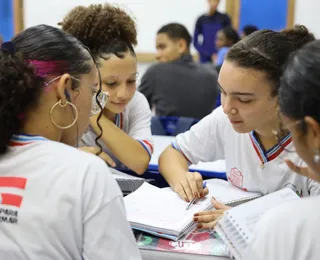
248, 166
57, 202
289, 232
135, 121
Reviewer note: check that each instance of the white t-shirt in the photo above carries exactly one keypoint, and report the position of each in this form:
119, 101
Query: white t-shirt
248, 167
57, 202
289, 232
135, 121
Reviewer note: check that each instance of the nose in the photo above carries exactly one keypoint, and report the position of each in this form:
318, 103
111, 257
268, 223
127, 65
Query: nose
122, 93
227, 105
158, 55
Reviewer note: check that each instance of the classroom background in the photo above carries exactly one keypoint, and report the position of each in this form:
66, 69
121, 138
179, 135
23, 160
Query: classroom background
152, 14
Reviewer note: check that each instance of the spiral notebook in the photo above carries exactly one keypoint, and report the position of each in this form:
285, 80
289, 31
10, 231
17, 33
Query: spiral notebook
161, 212
238, 223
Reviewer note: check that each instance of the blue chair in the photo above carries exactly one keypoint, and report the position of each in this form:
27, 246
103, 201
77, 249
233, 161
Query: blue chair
171, 126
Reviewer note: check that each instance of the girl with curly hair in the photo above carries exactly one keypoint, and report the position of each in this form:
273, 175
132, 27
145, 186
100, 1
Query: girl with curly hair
110, 34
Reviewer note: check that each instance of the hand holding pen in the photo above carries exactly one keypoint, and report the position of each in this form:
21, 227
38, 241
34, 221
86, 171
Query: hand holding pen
190, 186
195, 198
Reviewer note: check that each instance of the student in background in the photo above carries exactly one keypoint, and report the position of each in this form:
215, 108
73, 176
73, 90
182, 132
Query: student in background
110, 34
177, 86
291, 232
247, 30
206, 30
226, 38
57, 202
241, 131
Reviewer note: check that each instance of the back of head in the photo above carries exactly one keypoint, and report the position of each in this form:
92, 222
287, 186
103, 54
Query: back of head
25, 62
267, 51
299, 94
104, 29
248, 29
176, 31
231, 34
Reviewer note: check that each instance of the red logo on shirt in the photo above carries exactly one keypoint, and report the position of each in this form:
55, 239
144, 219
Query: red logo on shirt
9, 198
236, 178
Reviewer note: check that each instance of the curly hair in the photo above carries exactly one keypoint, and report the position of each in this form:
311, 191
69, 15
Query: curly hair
104, 29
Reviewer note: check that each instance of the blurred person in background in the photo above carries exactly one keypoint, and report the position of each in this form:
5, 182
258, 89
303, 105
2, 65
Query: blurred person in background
176, 85
248, 29
206, 29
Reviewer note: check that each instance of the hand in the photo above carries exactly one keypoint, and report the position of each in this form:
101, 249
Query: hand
103, 156
191, 186
305, 171
208, 219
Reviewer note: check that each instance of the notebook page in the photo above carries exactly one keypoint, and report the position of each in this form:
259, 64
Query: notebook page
248, 214
158, 208
223, 191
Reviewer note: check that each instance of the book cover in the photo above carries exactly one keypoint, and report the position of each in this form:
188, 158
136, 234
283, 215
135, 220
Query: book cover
199, 242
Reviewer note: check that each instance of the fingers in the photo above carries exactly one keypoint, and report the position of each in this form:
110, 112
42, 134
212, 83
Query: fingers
300, 170
209, 225
107, 159
197, 177
187, 189
217, 205
206, 218
180, 190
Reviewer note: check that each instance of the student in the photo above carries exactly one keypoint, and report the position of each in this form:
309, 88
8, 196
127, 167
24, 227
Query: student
226, 38
56, 202
177, 85
247, 30
291, 232
241, 130
110, 34
206, 29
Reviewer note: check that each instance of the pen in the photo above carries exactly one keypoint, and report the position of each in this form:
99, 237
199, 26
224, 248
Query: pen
194, 199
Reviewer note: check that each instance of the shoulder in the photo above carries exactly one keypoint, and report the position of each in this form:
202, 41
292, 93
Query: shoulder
155, 68
292, 225
139, 102
201, 17
71, 157
288, 219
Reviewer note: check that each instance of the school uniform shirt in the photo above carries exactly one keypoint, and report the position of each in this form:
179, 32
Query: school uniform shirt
135, 121
247, 165
57, 202
289, 232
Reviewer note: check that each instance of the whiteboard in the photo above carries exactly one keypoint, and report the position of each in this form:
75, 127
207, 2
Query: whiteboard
150, 15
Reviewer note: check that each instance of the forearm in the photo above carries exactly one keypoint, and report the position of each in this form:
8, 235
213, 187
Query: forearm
127, 150
173, 166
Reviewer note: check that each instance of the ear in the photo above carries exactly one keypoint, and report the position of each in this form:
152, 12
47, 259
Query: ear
64, 86
314, 131
182, 46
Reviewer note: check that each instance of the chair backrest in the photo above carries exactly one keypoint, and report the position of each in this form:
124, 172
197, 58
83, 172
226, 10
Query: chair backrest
172, 126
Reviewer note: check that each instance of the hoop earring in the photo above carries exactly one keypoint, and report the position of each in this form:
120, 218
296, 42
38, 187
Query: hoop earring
316, 157
64, 104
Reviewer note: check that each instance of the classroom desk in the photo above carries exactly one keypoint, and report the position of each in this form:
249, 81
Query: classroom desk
216, 169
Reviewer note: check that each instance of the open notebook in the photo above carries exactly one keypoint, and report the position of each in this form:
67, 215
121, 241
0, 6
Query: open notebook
163, 213
238, 223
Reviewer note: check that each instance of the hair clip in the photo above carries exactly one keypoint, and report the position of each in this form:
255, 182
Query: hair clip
9, 47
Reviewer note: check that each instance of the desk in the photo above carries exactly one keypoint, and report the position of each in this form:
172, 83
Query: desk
216, 169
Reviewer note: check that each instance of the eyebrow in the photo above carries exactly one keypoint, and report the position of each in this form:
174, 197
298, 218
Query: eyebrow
237, 93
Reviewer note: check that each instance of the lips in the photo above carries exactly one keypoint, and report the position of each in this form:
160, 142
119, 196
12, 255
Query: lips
235, 122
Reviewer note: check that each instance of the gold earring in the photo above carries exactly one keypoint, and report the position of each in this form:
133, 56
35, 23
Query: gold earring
62, 104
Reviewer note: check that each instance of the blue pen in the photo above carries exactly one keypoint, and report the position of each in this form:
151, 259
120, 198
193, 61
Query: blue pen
194, 199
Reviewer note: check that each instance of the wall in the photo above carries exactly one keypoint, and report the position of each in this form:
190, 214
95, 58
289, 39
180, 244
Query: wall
307, 13
6, 18
149, 14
